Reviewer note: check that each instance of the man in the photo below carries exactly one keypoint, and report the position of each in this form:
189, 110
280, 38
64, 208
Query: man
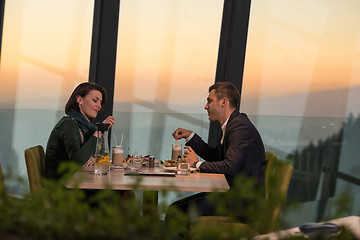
240, 151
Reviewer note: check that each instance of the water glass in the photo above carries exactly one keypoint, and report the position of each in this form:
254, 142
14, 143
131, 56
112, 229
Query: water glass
102, 164
136, 163
183, 168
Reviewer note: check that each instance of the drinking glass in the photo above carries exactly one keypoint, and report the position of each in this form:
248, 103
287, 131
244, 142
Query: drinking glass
183, 168
136, 163
102, 154
117, 155
176, 151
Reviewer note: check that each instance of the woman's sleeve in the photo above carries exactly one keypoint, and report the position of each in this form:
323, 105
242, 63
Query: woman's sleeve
72, 141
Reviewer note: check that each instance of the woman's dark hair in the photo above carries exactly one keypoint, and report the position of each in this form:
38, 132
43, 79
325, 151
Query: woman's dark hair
82, 90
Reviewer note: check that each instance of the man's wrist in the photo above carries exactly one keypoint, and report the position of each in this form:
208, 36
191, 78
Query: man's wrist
197, 165
194, 164
190, 136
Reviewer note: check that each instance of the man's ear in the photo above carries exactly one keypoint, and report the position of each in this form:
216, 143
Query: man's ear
224, 101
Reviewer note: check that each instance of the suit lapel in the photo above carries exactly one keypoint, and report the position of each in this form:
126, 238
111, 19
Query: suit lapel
227, 130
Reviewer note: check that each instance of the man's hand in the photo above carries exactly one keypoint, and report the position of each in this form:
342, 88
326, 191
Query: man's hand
181, 133
190, 155
110, 120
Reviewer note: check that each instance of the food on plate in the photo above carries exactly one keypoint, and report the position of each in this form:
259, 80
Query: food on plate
170, 163
127, 159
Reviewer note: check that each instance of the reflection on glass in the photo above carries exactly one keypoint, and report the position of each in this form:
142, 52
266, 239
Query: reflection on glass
166, 61
301, 87
45, 54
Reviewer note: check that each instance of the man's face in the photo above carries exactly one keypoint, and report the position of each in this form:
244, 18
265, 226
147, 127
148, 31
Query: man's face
213, 106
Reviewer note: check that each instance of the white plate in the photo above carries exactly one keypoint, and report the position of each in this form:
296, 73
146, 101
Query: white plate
116, 167
174, 169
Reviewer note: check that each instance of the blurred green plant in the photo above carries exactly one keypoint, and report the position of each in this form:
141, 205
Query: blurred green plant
250, 214
59, 213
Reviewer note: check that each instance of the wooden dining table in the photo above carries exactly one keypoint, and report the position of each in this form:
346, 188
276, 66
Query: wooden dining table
150, 184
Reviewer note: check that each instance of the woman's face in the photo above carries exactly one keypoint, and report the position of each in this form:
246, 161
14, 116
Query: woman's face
90, 104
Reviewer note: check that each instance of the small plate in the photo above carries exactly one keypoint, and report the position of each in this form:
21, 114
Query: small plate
174, 169
116, 167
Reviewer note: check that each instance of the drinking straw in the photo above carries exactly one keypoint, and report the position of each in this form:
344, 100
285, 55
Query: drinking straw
122, 137
176, 138
115, 138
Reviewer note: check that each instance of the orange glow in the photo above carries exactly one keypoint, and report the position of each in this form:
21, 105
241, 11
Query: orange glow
167, 52
294, 52
45, 55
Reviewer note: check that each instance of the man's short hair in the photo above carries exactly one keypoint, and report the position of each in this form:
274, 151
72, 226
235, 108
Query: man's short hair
228, 90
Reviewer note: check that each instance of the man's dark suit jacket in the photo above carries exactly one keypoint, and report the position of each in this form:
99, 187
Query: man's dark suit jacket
242, 151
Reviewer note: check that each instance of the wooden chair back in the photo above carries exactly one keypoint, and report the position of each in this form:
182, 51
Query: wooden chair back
35, 165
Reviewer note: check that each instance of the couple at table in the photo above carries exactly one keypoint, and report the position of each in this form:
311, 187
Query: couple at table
240, 151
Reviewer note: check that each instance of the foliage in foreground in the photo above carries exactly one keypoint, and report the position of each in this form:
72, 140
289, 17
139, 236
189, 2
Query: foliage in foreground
60, 213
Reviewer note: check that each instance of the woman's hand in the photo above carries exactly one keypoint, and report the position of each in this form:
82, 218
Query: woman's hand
110, 120
90, 162
190, 155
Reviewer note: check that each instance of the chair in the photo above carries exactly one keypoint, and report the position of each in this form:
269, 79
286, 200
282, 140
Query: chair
35, 165
277, 178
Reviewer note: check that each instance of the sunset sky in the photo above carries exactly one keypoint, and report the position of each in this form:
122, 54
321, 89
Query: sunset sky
167, 53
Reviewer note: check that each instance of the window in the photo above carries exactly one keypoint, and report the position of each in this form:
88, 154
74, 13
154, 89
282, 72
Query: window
301, 88
166, 60
45, 54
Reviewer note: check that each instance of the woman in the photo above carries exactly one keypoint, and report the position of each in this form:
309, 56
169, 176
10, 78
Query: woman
74, 136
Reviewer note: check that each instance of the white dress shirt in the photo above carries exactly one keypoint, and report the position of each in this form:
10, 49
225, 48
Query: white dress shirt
223, 128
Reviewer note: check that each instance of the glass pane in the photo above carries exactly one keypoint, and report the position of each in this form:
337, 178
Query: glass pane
45, 54
166, 60
301, 87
